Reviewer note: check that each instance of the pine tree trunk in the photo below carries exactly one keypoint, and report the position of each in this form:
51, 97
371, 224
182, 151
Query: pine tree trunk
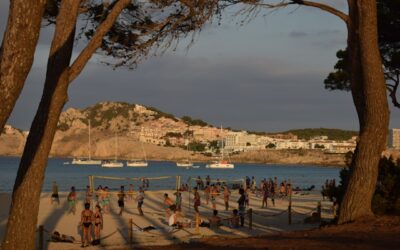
17, 51
370, 99
21, 227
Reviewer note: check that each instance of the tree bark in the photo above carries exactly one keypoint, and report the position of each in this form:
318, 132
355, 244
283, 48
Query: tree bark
17, 51
21, 226
30, 176
370, 98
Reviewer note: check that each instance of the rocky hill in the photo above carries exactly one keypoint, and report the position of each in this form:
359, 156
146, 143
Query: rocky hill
112, 124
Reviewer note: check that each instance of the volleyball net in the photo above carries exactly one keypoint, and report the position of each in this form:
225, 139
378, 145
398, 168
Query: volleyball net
201, 183
147, 183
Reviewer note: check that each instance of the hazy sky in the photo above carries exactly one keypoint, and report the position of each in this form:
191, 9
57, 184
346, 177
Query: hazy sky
267, 75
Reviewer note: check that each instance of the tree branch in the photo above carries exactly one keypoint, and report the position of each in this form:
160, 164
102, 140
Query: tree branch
393, 92
324, 7
320, 6
96, 40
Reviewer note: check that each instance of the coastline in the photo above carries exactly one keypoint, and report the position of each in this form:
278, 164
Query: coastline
278, 157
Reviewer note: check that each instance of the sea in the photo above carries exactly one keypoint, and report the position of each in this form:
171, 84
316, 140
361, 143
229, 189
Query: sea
67, 175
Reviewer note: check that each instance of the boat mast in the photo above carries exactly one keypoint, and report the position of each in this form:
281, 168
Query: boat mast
222, 146
116, 147
90, 153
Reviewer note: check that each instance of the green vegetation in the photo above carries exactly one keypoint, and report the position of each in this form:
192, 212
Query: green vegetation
196, 122
97, 116
270, 145
173, 134
160, 114
62, 126
197, 146
333, 134
386, 199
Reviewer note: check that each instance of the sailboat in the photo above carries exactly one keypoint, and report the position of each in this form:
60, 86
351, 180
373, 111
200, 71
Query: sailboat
221, 163
185, 163
113, 163
138, 163
89, 160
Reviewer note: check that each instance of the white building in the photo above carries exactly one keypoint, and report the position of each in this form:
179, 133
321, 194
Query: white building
394, 138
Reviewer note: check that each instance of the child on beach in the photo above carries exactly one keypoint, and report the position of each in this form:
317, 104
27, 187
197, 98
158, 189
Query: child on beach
98, 225
71, 198
121, 200
86, 224
140, 200
54, 195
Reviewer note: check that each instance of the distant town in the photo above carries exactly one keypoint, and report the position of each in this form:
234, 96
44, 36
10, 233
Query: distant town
151, 126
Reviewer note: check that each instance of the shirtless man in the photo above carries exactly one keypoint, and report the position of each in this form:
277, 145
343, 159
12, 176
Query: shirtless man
196, 200
215, 220
227, 193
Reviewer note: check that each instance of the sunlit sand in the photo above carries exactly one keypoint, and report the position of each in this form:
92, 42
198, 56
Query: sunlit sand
115, 233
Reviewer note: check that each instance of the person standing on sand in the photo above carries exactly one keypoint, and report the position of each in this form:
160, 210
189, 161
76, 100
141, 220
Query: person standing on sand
121, 200
196, 200
265, 197
98, 225
242, 206
214, 194
208, 180
86, 224
178, 201
140, 201
89, 195
105, 199
130, 192
54, 194
168, 203
71, 198
207, 192
227, 193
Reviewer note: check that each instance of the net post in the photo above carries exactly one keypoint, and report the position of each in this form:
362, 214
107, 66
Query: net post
250, 213
319, 210
290, 210
130, 232
197, 223
189, 191
41, 237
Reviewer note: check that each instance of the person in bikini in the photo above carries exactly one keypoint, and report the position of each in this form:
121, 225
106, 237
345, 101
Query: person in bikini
54, 195
98, 225
86, 224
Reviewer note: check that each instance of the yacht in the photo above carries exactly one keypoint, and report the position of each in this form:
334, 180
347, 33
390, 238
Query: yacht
88, 160
221, 163
134, 163
113, 163
137, 163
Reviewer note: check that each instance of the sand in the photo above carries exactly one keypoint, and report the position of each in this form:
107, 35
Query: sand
115, 234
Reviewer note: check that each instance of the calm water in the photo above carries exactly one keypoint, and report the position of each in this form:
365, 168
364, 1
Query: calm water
70, 175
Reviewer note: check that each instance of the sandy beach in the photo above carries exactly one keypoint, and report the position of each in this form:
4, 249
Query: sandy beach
115, 234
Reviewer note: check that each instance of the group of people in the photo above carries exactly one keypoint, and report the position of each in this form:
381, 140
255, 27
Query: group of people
92, 221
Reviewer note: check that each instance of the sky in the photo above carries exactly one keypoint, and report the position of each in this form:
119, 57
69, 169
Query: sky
266, 75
